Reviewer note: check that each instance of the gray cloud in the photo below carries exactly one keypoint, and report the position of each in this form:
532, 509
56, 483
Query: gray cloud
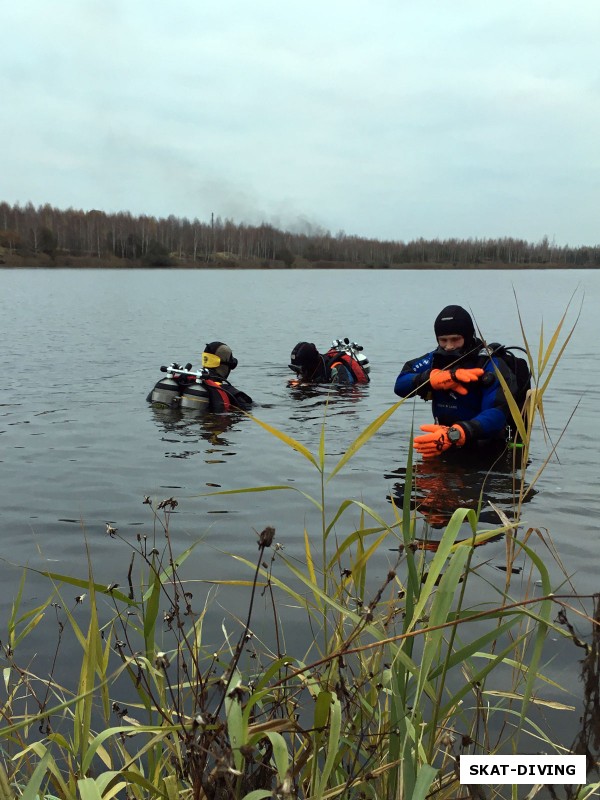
392, 120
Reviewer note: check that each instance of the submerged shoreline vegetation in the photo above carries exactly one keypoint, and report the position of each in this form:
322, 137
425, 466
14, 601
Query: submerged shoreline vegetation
398, 674
49, 237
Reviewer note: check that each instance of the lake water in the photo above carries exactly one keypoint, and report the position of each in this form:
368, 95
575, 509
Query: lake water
80, 446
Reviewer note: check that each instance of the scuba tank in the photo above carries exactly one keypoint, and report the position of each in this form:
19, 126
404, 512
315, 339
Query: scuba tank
167, 391
182, 388
195, 397
165, 394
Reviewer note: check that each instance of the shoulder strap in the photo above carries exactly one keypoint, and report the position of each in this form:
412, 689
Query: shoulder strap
219, 399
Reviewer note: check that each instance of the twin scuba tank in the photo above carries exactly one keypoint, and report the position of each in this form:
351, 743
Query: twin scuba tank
181, 388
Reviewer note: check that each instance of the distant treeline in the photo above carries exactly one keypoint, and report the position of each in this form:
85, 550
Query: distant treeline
63, 236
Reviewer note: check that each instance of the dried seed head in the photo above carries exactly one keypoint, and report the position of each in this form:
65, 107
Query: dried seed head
237, 693
161, 661
170, 502
265, 537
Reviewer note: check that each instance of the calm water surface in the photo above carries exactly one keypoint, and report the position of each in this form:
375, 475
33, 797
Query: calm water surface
80, 447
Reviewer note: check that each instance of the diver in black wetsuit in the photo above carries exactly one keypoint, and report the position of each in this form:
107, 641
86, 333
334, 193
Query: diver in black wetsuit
336, 366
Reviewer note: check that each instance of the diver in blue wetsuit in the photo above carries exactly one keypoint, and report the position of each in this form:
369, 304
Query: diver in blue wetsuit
468, 403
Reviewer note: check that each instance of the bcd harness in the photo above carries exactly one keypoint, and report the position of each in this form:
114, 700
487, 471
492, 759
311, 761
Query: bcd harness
224, 396
221, 394
334, 357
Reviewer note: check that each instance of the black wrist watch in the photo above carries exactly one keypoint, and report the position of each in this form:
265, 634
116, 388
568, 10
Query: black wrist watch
454, 435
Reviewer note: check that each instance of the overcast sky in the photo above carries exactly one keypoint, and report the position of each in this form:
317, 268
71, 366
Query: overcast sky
390, 119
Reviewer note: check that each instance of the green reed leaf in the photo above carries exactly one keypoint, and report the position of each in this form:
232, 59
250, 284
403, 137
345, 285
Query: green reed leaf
541, 629
235, 728
334, 726
88, 789
83, 583
440, 558
278, 664
283, 437
251, 489
166, 574
353, 538
350, 503
588, 791
440, 607
281, 755
33, 785
322, 707
514, 409
545, 356
310, 564
474, 648
274, 580
151, 614
453, 703
364, 437
322, 448
544, 386
425, 777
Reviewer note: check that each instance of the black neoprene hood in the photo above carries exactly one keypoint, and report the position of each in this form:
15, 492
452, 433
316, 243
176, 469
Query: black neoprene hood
453, 321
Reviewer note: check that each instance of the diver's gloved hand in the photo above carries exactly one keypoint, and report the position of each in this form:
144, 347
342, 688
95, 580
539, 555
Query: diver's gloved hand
467, 375
436, 440
444, 379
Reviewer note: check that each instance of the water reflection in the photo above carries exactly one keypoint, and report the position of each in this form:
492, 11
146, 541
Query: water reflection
312, 399
461, 480
181, 428
326, 393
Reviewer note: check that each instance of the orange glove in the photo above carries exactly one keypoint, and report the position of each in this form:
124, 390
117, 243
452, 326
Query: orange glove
451, 380
436, 440
443, 379
467, 375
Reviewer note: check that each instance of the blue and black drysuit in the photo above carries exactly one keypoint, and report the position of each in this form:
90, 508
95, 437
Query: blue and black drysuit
482, 413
